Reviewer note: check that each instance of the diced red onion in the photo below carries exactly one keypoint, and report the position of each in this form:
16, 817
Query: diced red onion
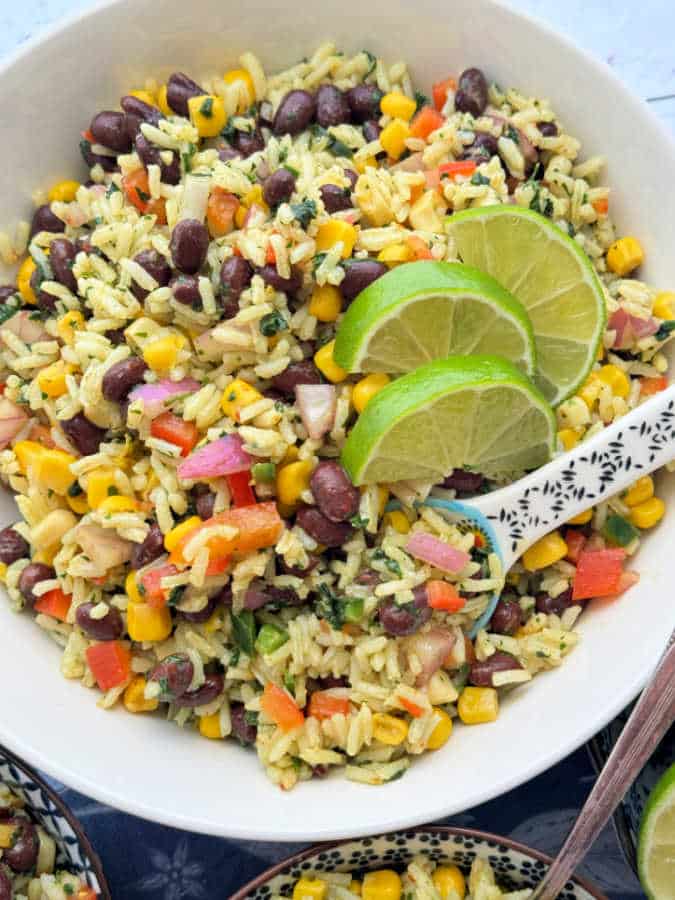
12, 420
437, 553
154, 396
412, 163
316, 404
226, 456
628, 328
195, 197
26, 329
431, 648
255, 216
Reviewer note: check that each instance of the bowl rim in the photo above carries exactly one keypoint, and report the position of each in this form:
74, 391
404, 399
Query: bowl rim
68, 815
442, 830
115, 796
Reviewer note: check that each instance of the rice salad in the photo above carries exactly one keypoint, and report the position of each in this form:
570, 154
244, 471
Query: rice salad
172, 416
28, 865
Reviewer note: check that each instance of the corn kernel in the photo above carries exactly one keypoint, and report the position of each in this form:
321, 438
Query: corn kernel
642, 490
3, 571
145, 96
146, 623
101, 484
395, 254
398, 106
28, 453
310, 889
207, 114
326, 303
590, 390
545, 552
663, 305
78, 504
427, 212
236, 396
389, 730
240, 215
323, 359
362, 164
441, 733
398, 521
381, 885
52, 470
63, 191
291, 454
161, 355
569, 438
382, 499
134, 697
329, 233
214, 622
355, 887
52, 379
117, 504
647, 514
625, 255
582, 518
23, 277
46, 555
51, 529
243, 77
448, 880
616, 379
292, 480
68, 324
173, 538
209, 726
163, 103
393, 137
7, 833
365, 390
478, 705
131, 588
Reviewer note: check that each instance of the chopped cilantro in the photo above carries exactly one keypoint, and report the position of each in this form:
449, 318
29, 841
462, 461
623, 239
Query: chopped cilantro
537, 204
9, 307
289, 683
206, 109
75, 490
665, 330
186, 156
295, 172
420, 100
272, 324
317, 260
512, 135
359, 521
304, 212
251, 717
112, 189
390, 564
176, 594
478, 179
112, 491
330, 607
143, 196
243, 631
372, 62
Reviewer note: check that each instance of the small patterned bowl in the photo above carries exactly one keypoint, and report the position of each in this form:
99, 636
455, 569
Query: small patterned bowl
73, 850
515, 865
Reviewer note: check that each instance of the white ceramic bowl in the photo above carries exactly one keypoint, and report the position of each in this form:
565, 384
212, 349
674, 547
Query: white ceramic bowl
48, 93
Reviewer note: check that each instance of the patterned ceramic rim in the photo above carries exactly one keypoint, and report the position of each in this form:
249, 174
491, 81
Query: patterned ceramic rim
441, 831
93, 864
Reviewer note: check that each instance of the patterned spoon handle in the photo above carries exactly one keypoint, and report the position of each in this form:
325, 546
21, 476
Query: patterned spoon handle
649, 721
635, 445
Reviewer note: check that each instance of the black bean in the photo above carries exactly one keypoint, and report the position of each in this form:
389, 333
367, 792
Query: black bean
235, 276
150, 549
548, 129
507, 617
23, 853
45, 220
108, 628
109, 128
33, 574
6, 891
62, 255
333, 491
463, 482
321, 529
213, 686
151, 156
136, 112
259, 594
304, 372
12, 546
278, 187
174, 675
107, 163
335, 197
179, 89
364, 102
332, 107
312, 562
43, 299
227, 153
83, 434
358, 275
222, 598
185, 289
400, 621
7, 291
189, 244
270, 276
248, 142
371, 130
472, 92
483, 148
244, 731
122, 377
294, 113
546, 604
156, 266
368, 577
116, 336
204, 505
352, 176
481, 672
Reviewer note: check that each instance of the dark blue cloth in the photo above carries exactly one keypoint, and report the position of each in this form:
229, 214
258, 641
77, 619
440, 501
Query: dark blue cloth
145, 861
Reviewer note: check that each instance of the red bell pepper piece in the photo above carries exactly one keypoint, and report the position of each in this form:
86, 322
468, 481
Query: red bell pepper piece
240, 489
440, 92
441, 595
54, 603
324, 705
464, 167
153, 592
110, 663
575, 541
281, 707
168, 427
426, 121
598, 573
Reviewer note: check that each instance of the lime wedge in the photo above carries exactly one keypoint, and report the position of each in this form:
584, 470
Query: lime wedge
551, 276
423, 311
656, 842
477, 411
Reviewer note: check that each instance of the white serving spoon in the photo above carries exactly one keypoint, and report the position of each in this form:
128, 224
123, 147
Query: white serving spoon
512, 518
